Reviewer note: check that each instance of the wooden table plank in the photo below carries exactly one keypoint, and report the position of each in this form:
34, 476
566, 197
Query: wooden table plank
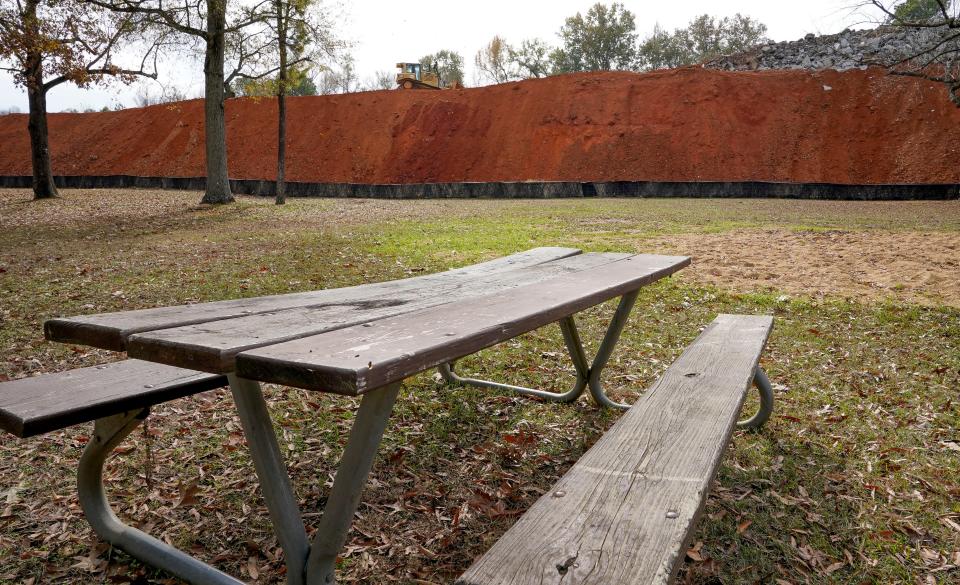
356, 359
625, 511
212, 347
111, 330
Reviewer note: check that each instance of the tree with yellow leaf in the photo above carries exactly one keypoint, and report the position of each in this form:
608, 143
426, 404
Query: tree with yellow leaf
45, 43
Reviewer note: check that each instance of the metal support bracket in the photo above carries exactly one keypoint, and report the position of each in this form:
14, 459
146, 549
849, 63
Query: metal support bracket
763, 386
107, 434
314, 564
272, 473
587, 374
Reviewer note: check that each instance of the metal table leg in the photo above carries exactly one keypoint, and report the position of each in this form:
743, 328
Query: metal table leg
107, 434
571, 338
365, 436
306, 563
313, 563
607, 346
272, 472
588, 375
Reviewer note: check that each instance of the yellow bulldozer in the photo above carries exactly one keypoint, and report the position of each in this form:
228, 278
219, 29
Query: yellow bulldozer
417, 76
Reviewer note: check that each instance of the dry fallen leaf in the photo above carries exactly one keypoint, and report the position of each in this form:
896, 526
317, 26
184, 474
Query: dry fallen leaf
11, 494
188, 494
834, 567
931, 557
947, 521
91, 563
693, 553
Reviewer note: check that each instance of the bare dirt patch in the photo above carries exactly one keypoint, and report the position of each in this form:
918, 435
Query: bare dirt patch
88, 207
909, 266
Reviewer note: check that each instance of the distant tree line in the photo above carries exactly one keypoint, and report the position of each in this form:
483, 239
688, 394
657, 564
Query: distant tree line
605, 39
340, 75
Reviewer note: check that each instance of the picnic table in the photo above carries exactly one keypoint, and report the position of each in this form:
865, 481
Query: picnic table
356, 341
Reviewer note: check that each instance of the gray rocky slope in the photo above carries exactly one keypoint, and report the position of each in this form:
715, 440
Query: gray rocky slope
885, 46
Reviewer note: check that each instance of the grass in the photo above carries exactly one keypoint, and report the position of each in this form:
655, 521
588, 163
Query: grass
855, 480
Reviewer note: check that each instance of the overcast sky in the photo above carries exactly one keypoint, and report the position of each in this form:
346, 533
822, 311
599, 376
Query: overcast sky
385, 33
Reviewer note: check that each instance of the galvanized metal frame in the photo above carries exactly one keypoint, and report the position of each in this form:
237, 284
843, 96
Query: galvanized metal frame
272, 473
107, 434
308, 563
355, 465
587, 374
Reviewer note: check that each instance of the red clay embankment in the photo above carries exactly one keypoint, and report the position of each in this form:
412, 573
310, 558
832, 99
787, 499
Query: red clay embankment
856, 127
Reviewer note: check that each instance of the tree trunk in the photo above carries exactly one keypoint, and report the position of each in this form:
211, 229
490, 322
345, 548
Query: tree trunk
218, 181
43, 185
281, 104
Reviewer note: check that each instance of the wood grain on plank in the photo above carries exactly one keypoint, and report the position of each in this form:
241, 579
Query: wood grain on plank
32, 406
111, 330
360, 358
625, 511
213, 346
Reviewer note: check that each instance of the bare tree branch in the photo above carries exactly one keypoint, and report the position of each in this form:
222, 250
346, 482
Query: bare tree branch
163, 15
272, 71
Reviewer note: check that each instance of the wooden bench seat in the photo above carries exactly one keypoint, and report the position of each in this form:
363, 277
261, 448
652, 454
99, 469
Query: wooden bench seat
624, 513
33, 406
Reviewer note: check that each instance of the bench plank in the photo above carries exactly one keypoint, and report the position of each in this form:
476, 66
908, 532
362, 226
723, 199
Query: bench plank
33, 406
625, 512
111, 330
212, 347
356, 359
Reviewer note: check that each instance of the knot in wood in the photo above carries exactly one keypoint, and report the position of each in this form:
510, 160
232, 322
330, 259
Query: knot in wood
565, 566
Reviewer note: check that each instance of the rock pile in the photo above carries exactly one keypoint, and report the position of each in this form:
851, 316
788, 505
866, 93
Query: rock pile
851, 49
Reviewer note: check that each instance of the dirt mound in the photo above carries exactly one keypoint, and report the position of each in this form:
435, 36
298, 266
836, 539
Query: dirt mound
693, 124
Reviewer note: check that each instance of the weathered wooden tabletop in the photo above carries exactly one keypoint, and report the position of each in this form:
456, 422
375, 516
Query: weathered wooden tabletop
354, 339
